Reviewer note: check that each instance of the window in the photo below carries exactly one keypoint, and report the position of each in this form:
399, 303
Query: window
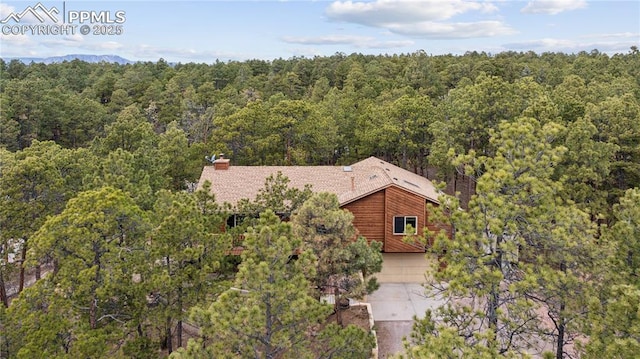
400, 224
234, 220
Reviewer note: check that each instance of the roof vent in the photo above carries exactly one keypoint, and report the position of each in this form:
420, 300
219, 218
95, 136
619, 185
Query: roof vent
347, 169
411, 183
372, 177
388, 169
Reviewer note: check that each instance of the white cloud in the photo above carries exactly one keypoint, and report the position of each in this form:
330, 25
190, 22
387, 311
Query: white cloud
572, 46
14, 45
619, 35
459, 30
326, 40
63, 41
103, 46
552, 7
424, 18
382, 12
350, 40
5, 10
153, 53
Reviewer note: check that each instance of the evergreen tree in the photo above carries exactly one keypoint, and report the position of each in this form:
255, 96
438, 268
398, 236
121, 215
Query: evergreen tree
185, 257
269, 311
96, 244
345, 262
613, 327
519, 251
32, 186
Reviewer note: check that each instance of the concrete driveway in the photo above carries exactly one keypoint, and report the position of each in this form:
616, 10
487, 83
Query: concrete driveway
399, 299
400, 302
404, 267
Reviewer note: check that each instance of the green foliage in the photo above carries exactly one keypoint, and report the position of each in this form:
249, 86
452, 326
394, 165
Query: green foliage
587, 166
40, 324
344, 264
398, 130
615, 333
518, 251
616, 119
612, 325
145, 127
177, 166
129, 132
269, 309
95, 243
441, 341
118, 171
624, 238
276, 196
34, 183
350, 342
185, 256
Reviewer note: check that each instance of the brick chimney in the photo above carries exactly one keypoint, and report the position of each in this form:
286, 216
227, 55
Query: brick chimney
221, 163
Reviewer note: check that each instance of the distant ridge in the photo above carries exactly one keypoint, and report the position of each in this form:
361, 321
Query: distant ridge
87, 58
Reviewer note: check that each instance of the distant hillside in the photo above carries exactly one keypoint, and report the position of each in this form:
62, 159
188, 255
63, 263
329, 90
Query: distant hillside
86, 58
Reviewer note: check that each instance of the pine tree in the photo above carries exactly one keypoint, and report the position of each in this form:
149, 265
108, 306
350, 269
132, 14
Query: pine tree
184, 256
520, 250
345, 263
97, 245
269, 311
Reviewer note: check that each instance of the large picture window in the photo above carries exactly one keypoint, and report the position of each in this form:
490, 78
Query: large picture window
400, 224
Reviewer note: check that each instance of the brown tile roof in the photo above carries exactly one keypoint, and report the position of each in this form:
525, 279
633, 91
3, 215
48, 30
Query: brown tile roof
349, 183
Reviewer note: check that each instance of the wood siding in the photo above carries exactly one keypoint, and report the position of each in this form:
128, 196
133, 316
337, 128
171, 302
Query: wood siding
373, 217
369, 218
399, 202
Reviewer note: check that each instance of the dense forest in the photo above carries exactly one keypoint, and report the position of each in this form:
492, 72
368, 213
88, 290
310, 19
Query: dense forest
98, 164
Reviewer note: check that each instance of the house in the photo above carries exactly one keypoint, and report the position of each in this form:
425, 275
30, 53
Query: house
384, 199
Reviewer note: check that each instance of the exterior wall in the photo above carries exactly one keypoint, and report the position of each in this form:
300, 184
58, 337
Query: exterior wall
433, 227
368, 216
399, 202
373, 217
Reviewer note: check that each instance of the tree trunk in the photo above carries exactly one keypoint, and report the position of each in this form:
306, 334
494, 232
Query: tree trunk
561, 323
492, 314
169, 340
494, 295
179, 326
92, 313
38, 272
93, 306
268, 349
23, 258
561, 327
3, 291
336, 294
179, 333
168, 336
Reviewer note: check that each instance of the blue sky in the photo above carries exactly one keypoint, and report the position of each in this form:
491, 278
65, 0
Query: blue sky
206, 31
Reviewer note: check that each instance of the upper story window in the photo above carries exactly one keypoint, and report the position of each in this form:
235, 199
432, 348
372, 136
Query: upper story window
400, 224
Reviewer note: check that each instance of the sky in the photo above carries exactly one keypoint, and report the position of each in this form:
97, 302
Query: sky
210, 31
